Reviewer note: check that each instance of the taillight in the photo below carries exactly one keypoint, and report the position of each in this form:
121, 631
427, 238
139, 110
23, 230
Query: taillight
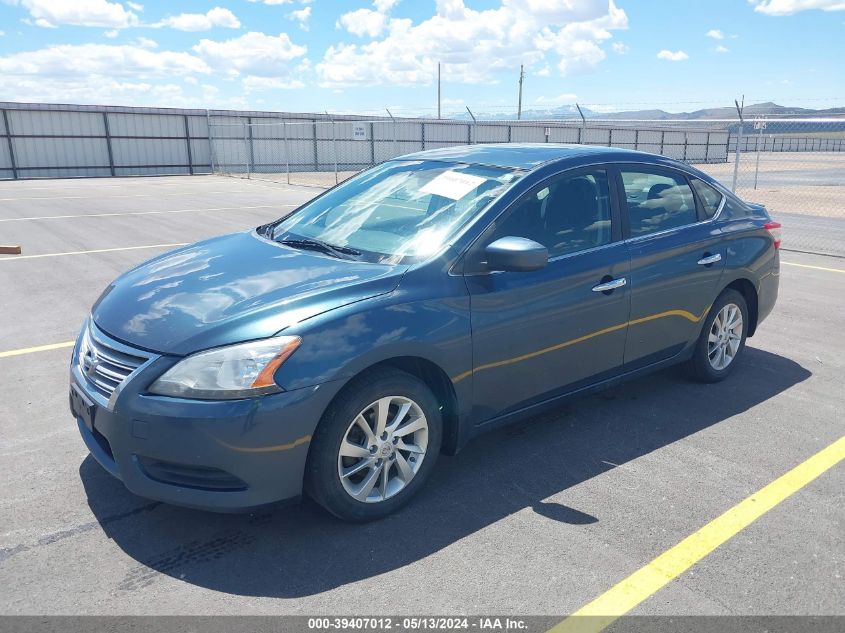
774, 230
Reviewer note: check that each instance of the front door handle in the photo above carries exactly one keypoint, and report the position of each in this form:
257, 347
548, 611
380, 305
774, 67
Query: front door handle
710, 259
608, 286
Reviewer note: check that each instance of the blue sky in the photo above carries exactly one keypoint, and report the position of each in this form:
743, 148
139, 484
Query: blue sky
359, 56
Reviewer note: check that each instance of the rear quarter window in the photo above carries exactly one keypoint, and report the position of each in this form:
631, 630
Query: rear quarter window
710, 197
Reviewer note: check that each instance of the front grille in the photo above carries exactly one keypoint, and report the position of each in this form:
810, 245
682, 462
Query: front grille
105, 363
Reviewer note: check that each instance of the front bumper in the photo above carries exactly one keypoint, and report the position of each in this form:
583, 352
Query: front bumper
214, 455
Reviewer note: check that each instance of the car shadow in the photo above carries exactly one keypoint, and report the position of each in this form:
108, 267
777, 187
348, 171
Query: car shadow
301, 550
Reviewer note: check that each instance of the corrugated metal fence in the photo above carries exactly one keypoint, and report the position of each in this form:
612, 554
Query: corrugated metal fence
73, 140
43, 140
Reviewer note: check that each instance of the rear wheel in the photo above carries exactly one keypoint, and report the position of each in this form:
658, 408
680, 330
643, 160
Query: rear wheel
375, 446
722, 338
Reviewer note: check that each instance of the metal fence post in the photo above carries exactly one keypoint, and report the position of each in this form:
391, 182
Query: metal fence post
11, 145
287, 150
334, 151
473, 128
316, 150
251, 148
372, 143
757, 161
395, 138
108, 142
246, 148
211, 148
188, 145
738, 151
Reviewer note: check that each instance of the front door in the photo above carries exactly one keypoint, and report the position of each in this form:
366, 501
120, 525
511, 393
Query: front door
539, 334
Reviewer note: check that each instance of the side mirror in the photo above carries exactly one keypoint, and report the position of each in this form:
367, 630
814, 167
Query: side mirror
516, 254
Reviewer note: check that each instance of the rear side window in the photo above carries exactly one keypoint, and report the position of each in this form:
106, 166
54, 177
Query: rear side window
657, 201
710, 196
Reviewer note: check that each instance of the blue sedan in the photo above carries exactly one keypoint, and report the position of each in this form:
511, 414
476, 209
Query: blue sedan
339, 350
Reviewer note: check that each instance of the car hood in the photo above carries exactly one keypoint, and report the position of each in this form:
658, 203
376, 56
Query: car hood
230, 289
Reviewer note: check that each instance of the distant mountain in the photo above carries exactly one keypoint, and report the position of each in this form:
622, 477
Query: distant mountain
570, 112
749, 111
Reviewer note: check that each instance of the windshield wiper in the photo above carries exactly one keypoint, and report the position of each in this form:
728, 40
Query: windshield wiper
343, 252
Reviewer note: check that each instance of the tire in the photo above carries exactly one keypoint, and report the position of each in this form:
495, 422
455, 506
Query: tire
334, 480
706, 364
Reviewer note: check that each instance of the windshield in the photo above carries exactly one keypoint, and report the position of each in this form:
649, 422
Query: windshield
398, 212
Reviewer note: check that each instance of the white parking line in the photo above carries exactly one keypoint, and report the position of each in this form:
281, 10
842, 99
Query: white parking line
132, 195
110, 215
98, 250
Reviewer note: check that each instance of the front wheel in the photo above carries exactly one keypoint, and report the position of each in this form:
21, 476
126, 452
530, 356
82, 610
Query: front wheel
722, 338
375, 446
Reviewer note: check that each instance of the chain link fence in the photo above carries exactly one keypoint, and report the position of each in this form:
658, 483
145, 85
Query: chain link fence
796, 167
324, 152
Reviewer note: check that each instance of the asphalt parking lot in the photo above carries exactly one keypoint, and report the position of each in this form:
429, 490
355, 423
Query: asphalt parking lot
539, 518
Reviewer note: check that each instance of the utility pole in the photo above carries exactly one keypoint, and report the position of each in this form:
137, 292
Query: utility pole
519, 106
438, 90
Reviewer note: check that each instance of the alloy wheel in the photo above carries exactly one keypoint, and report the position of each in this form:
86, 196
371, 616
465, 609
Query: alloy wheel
725, 337
382, 449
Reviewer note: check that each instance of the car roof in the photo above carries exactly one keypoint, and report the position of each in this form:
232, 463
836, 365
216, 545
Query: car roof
526, 155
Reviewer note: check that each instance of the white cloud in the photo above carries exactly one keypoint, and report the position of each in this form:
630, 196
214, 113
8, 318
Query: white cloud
385, 5
112, 34
716, 34
620, 48
75, 60
472, 44
251, 83
672, 56
566, 98
135, 6
276, 2
97, 73
252, 53
145, 42
52, 13
363, 22
302, 16
722, 49
368, 22
788, 7
218, 16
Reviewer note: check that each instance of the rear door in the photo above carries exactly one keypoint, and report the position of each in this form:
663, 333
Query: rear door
677, 259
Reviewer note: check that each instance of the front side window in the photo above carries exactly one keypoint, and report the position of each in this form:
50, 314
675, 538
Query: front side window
710, 197
657, 201
398, 212
567, 215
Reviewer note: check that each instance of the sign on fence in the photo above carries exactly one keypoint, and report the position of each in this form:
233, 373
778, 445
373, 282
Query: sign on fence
359, 131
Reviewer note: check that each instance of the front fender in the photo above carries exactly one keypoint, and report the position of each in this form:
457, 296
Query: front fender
420, 319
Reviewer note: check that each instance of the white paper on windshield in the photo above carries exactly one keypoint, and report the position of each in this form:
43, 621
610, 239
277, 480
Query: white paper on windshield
452, 185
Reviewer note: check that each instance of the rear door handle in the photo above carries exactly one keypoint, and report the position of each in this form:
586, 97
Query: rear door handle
613, 284
710, 259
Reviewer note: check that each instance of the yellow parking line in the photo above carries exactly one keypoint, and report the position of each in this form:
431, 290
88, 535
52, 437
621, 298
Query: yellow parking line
831, 270
646, 581
37, 348
97, 250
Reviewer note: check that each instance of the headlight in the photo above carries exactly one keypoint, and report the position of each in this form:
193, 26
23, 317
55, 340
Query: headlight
235, 371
